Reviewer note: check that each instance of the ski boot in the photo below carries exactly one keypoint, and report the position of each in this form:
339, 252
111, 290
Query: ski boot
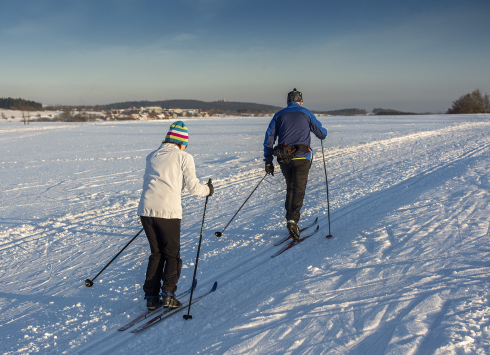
293, 229
153, 302
169, 300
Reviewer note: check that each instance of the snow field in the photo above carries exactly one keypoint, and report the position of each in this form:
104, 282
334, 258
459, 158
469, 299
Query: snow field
405, 273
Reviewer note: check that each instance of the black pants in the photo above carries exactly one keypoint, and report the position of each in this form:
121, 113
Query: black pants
296, 174
164, 262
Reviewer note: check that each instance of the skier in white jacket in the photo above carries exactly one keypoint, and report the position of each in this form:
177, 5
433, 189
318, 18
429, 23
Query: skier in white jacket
168, 170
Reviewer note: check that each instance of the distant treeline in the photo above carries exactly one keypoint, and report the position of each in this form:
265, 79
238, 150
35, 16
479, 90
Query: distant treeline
345, 112
391, 112
216, 106
20, 104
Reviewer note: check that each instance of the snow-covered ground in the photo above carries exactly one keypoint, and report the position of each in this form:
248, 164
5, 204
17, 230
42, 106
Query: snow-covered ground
406, 271
18, 116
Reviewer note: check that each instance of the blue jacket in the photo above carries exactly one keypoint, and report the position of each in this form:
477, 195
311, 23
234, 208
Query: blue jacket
293, 126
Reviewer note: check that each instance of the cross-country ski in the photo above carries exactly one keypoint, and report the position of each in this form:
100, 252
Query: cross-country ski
282, 240
295, 242
148, 314
171, 311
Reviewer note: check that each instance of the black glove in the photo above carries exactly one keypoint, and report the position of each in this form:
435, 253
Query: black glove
211, 188
269, 168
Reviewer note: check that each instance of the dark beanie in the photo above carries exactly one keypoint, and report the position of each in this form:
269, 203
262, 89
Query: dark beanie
295, 96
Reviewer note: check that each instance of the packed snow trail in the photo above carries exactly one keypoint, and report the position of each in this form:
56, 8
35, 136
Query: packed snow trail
405, 272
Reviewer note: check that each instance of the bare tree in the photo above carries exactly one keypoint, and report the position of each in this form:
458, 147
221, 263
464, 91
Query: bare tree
23, 112
65, 114
471, 103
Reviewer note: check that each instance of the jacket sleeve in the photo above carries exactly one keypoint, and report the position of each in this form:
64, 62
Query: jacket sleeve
270, 138
316, 127
192, 183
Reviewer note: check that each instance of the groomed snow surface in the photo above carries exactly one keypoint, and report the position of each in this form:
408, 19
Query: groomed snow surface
406, 272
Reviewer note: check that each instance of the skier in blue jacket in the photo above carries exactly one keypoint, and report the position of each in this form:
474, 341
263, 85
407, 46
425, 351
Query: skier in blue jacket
292, 126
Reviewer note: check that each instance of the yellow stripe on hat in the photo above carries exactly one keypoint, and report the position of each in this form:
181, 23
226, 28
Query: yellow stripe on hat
177, 126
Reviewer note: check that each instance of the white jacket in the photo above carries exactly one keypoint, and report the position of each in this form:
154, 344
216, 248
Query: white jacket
167, 168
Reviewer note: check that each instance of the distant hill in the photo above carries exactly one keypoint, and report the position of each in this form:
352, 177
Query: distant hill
222, 106
20, 104
226, 106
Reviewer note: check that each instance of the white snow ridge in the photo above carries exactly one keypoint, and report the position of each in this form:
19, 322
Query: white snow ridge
406, 272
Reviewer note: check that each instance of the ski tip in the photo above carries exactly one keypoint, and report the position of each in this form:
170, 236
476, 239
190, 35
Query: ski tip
215, 286
316, 220
317, 228
329, 236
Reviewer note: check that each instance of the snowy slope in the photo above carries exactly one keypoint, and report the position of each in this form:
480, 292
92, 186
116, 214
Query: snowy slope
405, 272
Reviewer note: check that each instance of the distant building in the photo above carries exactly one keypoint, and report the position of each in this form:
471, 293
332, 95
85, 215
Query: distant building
154, 109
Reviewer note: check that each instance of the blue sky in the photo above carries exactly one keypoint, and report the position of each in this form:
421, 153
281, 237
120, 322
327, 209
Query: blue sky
407, 55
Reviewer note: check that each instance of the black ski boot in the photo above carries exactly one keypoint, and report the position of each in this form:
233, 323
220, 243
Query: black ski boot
293, 229
169, 300
153, 302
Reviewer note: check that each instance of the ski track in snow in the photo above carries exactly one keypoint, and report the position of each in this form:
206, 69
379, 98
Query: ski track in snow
405, 272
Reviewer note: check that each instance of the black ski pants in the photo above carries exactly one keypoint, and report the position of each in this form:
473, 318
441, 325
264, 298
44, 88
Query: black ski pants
164, 263
296, 175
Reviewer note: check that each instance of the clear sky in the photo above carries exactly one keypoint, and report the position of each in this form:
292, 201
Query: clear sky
407, 55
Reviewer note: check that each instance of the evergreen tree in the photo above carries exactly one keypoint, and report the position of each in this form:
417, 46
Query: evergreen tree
20, 104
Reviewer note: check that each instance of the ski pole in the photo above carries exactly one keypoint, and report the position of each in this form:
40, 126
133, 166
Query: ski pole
219, 234
188, 316
328, 199
90, 283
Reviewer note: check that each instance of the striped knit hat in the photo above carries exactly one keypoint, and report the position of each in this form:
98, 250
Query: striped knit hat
177, 133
